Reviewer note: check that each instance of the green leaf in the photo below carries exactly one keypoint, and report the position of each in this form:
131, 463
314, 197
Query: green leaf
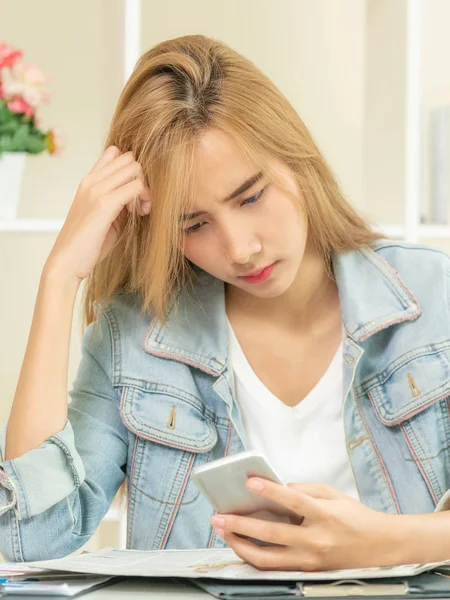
20, 136
36, 144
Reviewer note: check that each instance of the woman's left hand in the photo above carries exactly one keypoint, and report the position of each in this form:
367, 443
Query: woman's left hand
337, 531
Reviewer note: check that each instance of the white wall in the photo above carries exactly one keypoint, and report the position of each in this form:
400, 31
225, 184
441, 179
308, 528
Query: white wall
384, 124
314, 50
435, 75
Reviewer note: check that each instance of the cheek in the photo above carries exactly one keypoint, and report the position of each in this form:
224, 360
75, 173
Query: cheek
199, 253
284, 220
190, 249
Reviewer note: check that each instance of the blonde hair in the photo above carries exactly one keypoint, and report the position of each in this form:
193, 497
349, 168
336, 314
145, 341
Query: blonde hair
179, 88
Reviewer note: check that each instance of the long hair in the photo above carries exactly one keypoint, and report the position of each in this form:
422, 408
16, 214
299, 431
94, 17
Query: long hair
179, 88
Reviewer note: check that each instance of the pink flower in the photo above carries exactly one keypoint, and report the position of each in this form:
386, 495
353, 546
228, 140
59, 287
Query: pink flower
33, 75
24, 82
9, 55
22, 90
18, 105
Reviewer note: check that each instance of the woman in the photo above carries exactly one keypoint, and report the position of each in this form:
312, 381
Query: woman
234, 300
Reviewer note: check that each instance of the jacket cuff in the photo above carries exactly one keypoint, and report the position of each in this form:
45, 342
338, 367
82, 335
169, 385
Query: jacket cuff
41, 477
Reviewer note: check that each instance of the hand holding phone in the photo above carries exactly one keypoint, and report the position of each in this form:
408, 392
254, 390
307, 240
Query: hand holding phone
224, 483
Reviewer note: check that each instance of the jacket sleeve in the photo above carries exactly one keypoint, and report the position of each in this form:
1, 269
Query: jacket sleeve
52, 498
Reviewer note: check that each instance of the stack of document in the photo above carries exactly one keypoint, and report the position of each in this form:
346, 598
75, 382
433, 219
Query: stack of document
423, 586
224, 575
212, 563
19, 579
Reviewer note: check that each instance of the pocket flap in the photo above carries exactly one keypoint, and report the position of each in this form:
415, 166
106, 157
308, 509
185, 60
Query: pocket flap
167, 418
410, 384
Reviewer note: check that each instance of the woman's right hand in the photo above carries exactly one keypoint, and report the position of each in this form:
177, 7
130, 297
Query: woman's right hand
98, 213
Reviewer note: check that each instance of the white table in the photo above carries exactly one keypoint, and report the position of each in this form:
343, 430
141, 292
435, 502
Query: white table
148, 588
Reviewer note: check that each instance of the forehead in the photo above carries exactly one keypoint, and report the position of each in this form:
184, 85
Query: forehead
219, 166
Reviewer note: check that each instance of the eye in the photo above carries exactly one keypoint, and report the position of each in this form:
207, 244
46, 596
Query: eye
255, 198
252, 200
193, 229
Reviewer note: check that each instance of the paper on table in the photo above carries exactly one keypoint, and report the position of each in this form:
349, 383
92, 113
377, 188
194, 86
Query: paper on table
14, 568
21, 571
52, 588
215, 563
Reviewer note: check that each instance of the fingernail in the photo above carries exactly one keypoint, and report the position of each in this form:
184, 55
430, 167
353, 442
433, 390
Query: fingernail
255, 484
218, 522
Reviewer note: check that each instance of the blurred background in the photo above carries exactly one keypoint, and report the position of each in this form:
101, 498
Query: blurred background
370, 78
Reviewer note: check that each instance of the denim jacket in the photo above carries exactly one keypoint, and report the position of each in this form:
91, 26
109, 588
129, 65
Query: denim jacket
150, 402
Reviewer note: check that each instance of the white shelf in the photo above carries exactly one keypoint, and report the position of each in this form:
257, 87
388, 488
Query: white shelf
119, 515
424, 231
32, 225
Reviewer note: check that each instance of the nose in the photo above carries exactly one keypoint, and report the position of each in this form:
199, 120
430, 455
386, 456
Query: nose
240, 245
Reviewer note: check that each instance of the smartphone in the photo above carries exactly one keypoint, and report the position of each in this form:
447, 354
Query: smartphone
223, 482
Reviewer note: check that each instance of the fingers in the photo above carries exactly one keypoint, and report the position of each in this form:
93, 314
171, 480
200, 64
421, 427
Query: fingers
108, 155
318, 490
120, 197
120, 176
261, 558
293, 499
142, 207
113, 171
274, 558
266, 531
105, 171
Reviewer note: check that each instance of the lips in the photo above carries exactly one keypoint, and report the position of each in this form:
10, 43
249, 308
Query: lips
254, 273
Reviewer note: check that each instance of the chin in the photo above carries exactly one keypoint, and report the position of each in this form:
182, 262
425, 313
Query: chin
268, 292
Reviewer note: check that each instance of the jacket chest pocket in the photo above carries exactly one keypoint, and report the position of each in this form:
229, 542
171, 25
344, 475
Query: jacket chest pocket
411, 399
171, 431
161, 416
411, 384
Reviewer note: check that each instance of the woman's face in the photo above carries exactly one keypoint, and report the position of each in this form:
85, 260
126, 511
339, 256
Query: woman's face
256, 228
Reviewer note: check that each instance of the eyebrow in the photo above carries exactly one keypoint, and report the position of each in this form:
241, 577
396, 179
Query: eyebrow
250, 182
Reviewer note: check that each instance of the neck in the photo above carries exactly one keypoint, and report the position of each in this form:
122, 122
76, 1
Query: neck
312, 295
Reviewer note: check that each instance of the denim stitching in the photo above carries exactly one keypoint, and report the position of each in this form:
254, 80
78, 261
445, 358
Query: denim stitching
404, 417
197, 360
381, 378
175, 392
169, 437
114, 332
131, 491
16, 542
8, 485
419, 465
62, 444
167, 503
167, 514
405, 293
430, 474
384, 470
21, 495
179, 498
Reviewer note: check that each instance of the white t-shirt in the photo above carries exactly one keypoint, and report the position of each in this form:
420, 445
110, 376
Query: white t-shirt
304, 443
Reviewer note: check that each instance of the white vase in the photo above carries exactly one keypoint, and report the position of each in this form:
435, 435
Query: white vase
12, 165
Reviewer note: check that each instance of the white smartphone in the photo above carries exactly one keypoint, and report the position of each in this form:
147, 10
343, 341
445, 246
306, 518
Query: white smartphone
223, 482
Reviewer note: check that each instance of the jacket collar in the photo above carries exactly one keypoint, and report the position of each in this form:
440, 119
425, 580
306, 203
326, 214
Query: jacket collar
195, 331
372, 296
